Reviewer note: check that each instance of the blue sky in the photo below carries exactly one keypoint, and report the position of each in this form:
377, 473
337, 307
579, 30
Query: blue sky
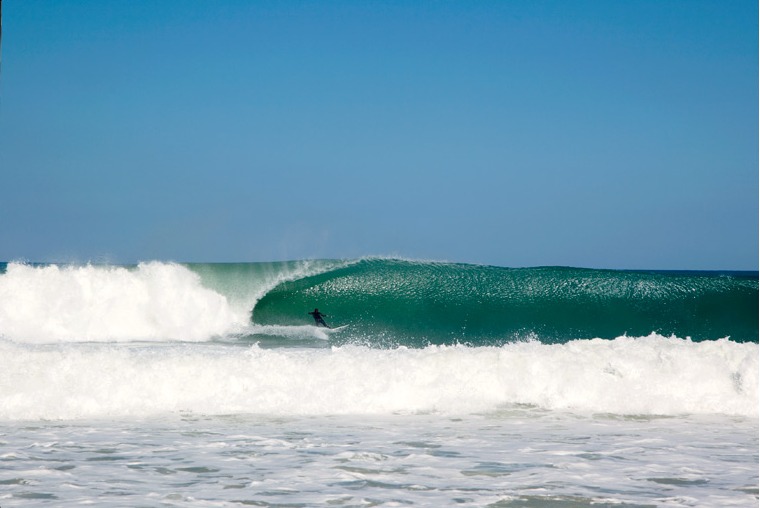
516, 133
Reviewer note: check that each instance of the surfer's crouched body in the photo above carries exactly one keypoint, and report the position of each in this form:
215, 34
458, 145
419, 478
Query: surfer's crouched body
319, 318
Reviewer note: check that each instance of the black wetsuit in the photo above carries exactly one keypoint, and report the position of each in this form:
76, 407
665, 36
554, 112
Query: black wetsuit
318, 318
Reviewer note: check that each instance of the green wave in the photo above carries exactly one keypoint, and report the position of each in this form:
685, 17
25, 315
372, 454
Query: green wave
417, 303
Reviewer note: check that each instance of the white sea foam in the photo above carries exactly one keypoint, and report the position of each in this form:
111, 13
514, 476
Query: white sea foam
650, 375
518, 457
154, 301
304, 332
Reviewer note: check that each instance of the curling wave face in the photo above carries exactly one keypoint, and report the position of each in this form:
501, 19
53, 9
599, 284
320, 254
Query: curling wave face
415, 303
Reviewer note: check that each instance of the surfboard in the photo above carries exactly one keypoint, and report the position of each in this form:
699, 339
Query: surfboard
337, 328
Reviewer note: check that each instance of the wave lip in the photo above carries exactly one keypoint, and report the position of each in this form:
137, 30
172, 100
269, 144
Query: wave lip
152, 301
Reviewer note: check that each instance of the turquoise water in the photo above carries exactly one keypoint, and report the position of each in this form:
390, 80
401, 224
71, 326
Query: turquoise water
415, 303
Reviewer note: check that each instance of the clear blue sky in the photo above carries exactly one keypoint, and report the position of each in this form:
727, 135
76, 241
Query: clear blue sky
619, 134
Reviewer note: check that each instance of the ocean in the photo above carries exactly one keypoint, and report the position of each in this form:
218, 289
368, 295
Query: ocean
440, 384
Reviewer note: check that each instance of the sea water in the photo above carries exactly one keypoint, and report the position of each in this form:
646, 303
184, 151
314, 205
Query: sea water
165, 384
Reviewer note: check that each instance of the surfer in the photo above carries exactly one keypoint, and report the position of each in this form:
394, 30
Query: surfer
318, 318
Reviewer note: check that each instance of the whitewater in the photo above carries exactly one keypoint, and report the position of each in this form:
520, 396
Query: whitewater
168, 384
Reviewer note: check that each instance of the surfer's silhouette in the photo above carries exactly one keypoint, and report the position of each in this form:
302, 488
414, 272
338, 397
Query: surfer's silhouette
319, 318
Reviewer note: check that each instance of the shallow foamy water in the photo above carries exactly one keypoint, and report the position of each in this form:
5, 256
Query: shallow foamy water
513, 457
